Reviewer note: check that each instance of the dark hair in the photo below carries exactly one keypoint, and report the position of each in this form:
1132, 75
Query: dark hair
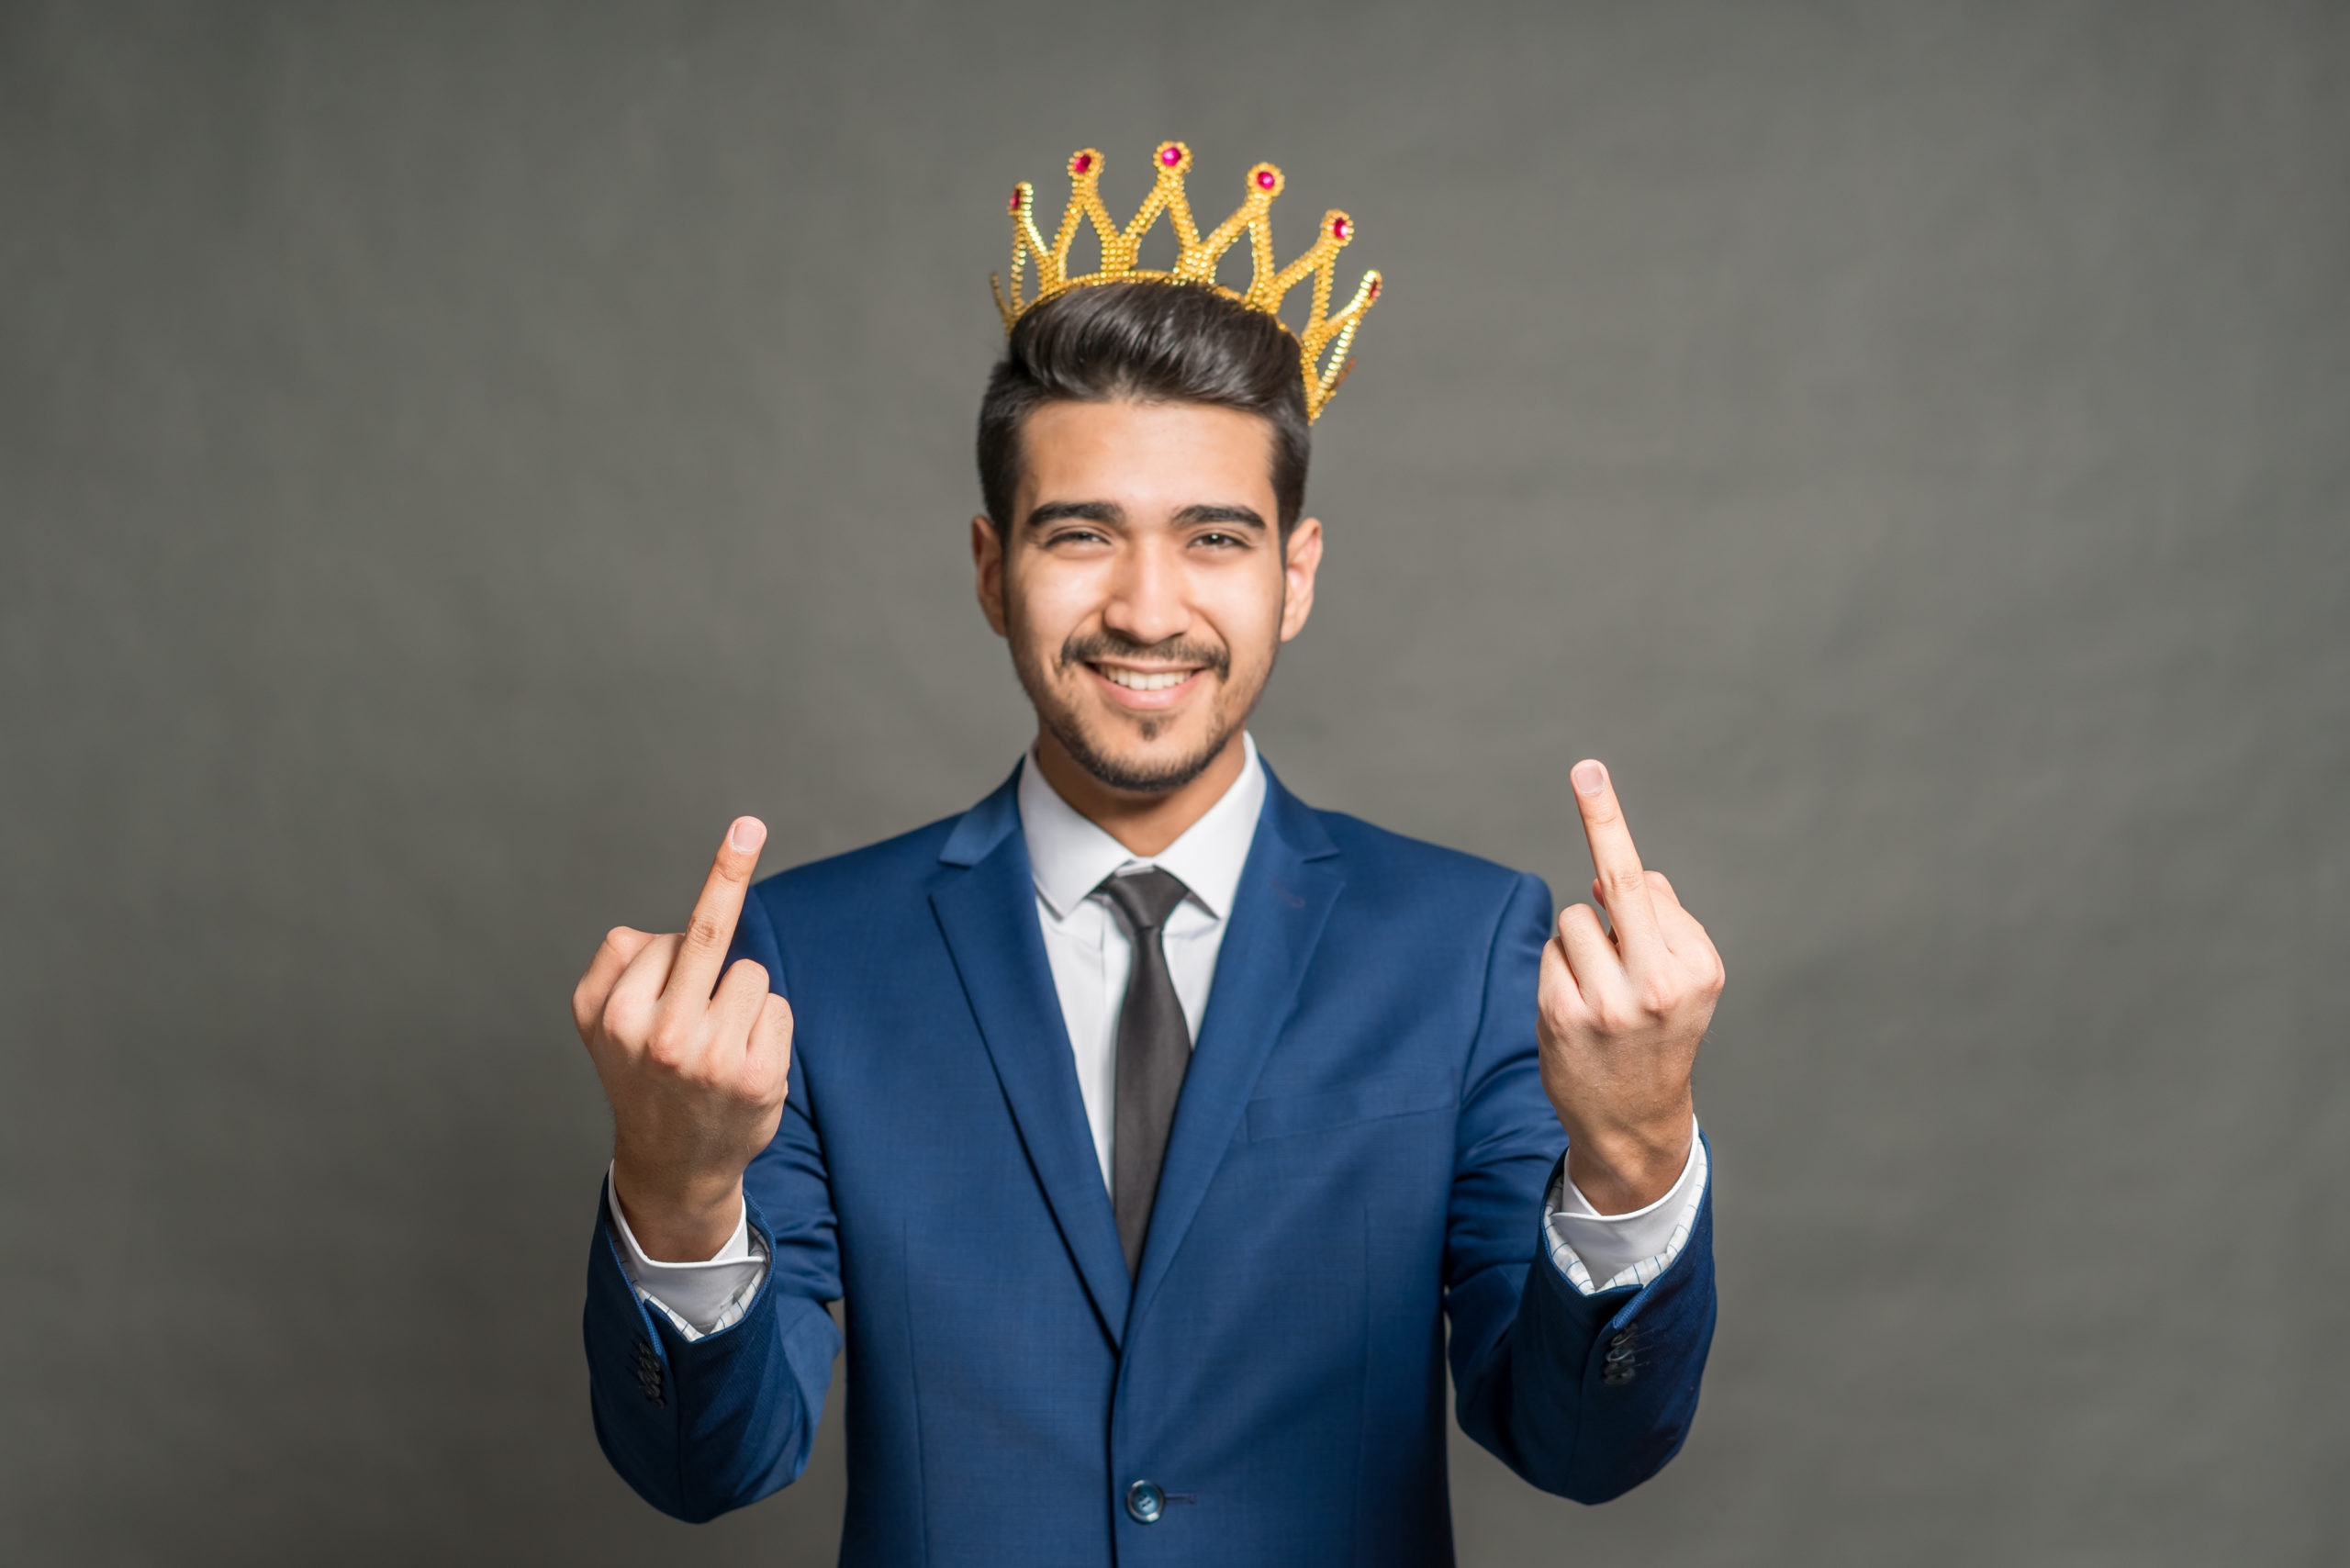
1156, 342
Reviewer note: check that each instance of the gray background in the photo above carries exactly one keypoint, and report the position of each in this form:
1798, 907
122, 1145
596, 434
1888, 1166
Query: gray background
451, 457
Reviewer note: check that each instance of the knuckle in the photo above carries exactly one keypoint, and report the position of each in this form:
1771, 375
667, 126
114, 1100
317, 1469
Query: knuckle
1568, 1024
670, 1045
705, 931
773, 1085
1626, 879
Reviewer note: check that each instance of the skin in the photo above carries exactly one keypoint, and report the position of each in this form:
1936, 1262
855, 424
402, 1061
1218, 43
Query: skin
1146, 539
1143, 543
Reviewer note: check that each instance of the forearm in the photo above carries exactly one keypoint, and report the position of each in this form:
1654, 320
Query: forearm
1587, 1395
699, 1425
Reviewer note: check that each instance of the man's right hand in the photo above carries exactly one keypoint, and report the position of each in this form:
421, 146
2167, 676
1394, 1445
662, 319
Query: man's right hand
697, 1078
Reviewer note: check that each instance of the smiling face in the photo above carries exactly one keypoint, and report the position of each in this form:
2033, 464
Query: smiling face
1144, 586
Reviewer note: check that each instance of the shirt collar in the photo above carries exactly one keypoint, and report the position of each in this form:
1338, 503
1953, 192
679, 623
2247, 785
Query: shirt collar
1071, 855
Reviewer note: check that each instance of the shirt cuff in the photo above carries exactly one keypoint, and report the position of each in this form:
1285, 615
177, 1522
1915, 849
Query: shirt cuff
698, 1298
1627, 1248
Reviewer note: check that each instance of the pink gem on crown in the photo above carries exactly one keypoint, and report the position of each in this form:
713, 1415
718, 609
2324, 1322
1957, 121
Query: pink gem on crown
1081, 164
1341, 230
1266, 179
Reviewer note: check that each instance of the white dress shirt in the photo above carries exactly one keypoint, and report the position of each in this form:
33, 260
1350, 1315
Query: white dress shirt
1090, 954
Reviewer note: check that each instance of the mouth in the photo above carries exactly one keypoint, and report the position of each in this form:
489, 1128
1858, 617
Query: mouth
1132, 686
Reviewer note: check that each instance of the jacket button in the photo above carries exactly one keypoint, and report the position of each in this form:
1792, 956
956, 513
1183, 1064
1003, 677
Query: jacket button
1146, 1502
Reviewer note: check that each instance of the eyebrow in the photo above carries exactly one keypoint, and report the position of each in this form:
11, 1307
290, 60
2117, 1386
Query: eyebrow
1244, 516
1108, 512
1111, 514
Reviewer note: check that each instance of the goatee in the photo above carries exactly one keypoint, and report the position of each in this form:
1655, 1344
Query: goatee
1118, 773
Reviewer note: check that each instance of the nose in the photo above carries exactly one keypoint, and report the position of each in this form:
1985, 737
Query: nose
1146, 601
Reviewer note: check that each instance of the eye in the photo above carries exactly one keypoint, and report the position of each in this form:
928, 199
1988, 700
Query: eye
1221, 540
1074, 536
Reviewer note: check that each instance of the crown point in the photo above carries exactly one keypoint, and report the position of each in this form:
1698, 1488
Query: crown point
1265, 177
1174, 156
1082, 163
1372, 292
1341, 228
1014, 207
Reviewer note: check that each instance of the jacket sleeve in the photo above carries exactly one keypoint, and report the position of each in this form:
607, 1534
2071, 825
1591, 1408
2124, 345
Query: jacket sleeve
700, 1426
1583, 1396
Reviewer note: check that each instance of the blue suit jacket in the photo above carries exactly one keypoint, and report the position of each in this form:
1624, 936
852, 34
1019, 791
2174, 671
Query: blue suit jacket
1361, 1152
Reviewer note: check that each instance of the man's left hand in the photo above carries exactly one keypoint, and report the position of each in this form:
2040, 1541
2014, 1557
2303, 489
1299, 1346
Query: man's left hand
1621, 1015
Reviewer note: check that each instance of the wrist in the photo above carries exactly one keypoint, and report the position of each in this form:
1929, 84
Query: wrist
1623, 1169
676, 1218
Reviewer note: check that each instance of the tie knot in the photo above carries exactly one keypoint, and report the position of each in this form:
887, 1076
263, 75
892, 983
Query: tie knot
1144, 899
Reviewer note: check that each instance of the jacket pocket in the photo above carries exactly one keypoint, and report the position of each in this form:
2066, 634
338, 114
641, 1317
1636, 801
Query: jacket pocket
1407, 1093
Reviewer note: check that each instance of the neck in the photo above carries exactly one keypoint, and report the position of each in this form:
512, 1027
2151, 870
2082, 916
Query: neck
1146, 822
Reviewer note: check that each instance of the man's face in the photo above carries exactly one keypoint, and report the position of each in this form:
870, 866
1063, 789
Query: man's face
1142, 582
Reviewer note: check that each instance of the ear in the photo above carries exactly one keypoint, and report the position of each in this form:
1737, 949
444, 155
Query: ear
1303, 559
987, 558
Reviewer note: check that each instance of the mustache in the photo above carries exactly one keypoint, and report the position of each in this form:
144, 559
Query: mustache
1089, 647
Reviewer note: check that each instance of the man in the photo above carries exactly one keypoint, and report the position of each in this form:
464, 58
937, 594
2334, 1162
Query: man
1149, 1124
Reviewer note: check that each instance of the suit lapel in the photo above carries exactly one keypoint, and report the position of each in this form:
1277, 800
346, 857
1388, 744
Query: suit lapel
1286, 890
987, 911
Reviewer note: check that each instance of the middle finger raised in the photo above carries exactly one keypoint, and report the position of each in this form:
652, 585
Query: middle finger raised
1623, 885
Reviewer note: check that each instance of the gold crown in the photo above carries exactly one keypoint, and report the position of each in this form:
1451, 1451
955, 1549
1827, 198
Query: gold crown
1322, 347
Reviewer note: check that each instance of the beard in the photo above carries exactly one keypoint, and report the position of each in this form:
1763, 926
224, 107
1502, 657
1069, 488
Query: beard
1228, 710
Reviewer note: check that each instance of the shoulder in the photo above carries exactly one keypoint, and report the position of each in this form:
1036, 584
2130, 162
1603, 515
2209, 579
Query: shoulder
876, 872
1384, 865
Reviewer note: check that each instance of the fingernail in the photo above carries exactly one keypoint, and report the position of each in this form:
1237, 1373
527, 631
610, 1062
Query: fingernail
748, 834
1590, 778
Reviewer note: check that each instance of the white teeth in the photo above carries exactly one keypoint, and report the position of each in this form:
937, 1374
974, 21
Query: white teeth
1136, 680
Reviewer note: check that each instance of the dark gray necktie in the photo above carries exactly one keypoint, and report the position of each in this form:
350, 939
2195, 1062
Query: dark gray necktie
1154, 1052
